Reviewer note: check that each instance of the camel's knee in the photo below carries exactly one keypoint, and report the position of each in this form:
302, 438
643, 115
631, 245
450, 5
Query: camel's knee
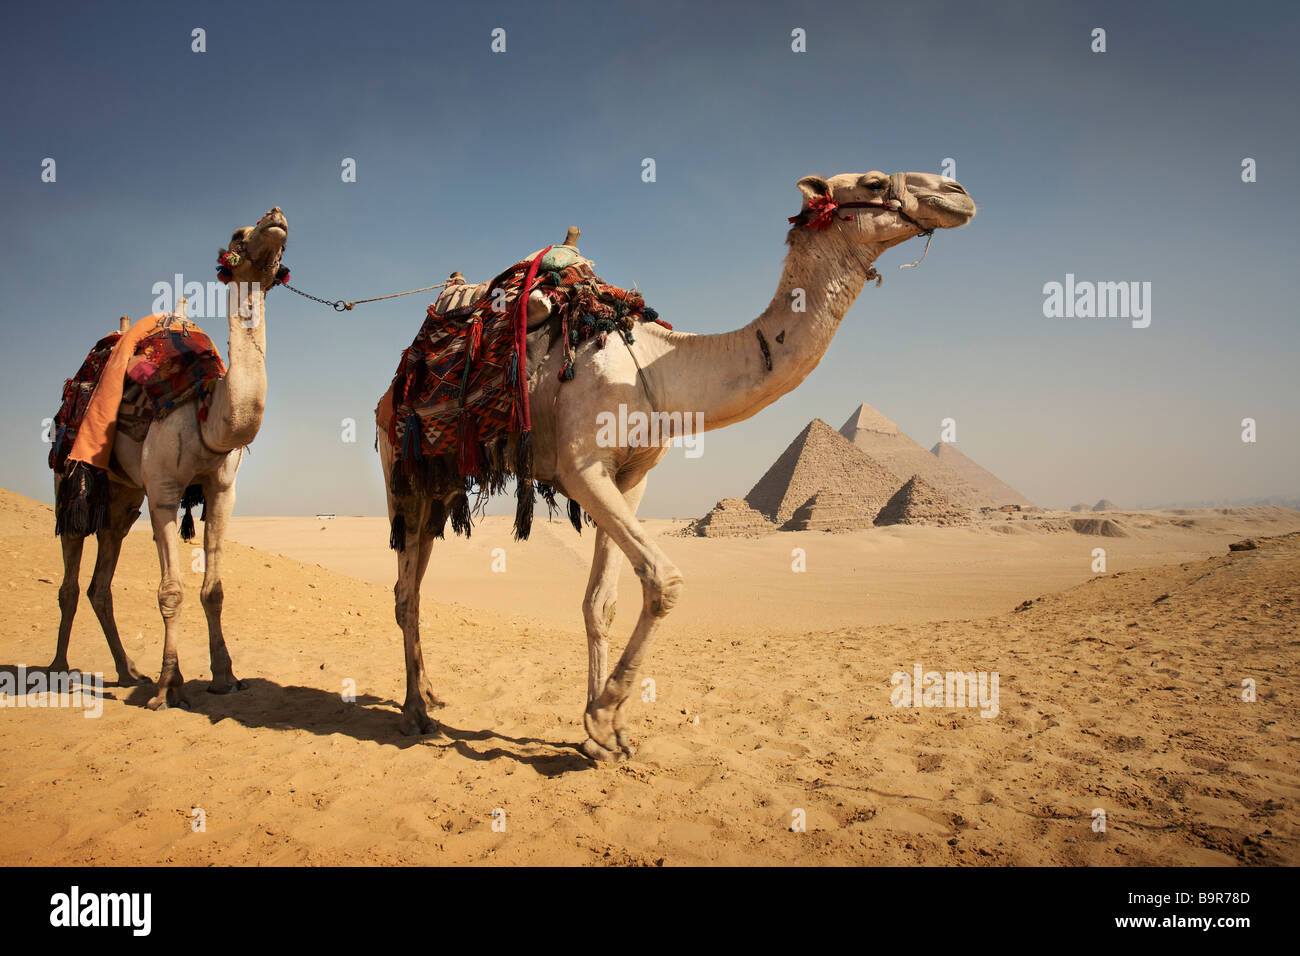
211, 596
661, 587
406, 605
598, 610
170, 597
101, 598
68, 595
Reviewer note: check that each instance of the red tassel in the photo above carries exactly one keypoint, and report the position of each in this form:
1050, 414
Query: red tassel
475, 337
469, 461
521, 412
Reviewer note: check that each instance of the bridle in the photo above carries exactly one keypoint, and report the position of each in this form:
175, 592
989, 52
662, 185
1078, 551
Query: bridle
233, 256
823, 211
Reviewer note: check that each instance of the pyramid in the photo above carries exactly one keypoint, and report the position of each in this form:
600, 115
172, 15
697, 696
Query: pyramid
1104, 505
881, 439
820, 459
730, 518
919, 502
982, 480
831, 511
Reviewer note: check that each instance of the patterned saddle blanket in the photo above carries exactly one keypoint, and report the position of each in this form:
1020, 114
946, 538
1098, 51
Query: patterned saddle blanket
173, 364
457, 414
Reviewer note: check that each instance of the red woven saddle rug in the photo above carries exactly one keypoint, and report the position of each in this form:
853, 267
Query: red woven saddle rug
171, 365
457, 414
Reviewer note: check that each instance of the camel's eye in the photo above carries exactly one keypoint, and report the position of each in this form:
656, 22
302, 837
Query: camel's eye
876, 185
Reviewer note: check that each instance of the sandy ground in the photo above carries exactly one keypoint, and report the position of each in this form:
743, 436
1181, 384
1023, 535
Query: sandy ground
1119, 692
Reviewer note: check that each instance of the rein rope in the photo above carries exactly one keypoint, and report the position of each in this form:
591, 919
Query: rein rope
341, 305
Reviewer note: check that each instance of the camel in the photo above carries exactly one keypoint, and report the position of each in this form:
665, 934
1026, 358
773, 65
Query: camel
176, 452
845, 224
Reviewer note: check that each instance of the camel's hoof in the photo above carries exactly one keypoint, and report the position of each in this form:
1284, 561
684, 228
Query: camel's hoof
625, 743
596, 752
417, 725
231, 687
133, 679
162, 703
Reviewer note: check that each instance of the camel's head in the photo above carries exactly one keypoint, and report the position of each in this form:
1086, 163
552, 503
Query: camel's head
254, 252
881, 209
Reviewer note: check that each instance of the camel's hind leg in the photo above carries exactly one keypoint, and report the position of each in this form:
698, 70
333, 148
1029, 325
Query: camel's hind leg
123, 509
69, 592
412, 562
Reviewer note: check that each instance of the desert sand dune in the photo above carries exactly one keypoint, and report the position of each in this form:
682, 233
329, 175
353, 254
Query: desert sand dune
1122, 692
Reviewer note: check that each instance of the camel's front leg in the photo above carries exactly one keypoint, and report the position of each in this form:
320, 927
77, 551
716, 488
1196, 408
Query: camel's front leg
599, 604
661, 584
171, 594
218, 505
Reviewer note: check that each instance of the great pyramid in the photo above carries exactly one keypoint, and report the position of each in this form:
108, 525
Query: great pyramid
821, 460
730, 518
981, 479
881, 439
831, 511
918, 502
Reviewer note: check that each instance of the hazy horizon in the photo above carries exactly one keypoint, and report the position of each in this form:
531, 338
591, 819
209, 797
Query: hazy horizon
1123, 166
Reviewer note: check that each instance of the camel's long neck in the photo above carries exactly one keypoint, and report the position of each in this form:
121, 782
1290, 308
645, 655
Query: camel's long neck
727, 376
240, 398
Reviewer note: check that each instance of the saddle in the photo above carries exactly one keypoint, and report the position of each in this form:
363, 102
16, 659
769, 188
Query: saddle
163, 362
457, 413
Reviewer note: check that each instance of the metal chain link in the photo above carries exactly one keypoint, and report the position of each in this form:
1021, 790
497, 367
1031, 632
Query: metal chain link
340, 305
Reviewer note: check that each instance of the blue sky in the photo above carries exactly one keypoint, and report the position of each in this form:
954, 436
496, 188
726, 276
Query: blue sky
1122, 166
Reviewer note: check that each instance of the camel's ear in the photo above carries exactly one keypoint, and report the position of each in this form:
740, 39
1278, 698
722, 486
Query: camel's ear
813, 187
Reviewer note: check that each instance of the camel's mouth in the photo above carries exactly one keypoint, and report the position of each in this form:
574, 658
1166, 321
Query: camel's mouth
954, 209
274, 222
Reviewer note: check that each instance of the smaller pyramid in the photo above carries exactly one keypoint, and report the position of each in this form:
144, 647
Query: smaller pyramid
831, 511
730, 518
1104, 505
1080, 507
918, 502
819, 459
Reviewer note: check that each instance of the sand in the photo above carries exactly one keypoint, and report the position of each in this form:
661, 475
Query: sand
1118, 691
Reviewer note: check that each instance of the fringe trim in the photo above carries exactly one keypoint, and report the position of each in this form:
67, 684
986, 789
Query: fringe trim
438, 477
525, 493
460, 519
397, 533
81, 507
437, 523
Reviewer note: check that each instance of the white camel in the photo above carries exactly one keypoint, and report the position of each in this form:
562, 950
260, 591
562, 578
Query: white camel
176, 452
846, 222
